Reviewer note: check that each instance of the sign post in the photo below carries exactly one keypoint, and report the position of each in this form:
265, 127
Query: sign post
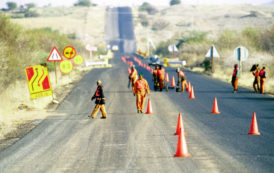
212, 53
240, 54
55, 56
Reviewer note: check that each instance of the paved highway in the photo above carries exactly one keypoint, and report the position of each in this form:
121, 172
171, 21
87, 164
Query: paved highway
131, 142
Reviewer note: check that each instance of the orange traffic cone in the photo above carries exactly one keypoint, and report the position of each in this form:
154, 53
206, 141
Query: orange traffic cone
173, 82
167, 78
254, 126
188, 88
149, 107
191, 95
180, 125
182, 150
215, 109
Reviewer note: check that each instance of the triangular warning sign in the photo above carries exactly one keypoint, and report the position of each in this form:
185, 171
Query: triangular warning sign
54, 55
212, 53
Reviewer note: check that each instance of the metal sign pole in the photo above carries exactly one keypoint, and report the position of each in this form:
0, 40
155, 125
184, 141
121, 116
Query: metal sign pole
55, 72
212, 60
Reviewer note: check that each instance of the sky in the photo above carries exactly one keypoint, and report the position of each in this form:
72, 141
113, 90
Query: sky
131, 2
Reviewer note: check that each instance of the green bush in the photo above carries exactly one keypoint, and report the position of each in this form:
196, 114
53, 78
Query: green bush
29, 13
162, 48
85, 3
148, 8
11, 5
174, 2
252, 37
267, 40
228, 40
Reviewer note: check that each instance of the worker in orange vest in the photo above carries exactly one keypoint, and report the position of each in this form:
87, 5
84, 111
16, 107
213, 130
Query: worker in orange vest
99, 101
256, 71
154, 73
262, 80
133, 76
235, 78
161, 77
181, 79
141, 90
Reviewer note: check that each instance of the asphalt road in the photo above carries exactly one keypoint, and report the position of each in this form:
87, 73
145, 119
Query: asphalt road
126, 141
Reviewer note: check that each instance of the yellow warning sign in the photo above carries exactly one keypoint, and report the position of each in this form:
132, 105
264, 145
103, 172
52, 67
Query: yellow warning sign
38, 81
66, 66
69, 52
78, 60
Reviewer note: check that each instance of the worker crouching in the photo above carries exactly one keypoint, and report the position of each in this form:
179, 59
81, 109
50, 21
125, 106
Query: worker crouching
181, 79
141, 90
262, 80
99, 101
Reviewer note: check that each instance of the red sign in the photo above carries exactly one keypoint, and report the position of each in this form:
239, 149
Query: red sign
54, 55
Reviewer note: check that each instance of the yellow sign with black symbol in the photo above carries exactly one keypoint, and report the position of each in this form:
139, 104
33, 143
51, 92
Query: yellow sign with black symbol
69, 52
66, 66
38, 81
78, 60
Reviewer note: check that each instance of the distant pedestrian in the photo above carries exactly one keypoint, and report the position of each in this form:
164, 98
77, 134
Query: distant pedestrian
99, 101
141, 91
262, 80
235, 78
133, 76
256, 71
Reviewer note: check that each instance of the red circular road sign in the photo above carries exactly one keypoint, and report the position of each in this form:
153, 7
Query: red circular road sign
69, 52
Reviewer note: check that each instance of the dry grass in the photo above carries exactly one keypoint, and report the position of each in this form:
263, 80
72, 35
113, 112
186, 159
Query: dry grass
85, 22
17, 107
210, 19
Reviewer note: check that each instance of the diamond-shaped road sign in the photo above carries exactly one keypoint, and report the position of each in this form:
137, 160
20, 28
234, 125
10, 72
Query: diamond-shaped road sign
212, 53
54, 55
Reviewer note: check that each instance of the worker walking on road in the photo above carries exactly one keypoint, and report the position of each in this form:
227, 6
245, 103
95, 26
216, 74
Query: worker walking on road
133, 76
141, 91
99, 101
235, 78
161, 77
256, 71
181, 79
262, 80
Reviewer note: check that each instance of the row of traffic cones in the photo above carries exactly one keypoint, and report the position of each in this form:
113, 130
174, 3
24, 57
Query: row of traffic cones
182, 150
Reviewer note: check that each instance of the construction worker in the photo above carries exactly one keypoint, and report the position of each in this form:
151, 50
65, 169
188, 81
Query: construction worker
161, 77
262, 80
256, 71
181, 79
141, 91
133, 76
235, 78
99, 101
155, 77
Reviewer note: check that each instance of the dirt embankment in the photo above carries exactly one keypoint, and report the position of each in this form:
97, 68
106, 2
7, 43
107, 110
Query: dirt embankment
19, 114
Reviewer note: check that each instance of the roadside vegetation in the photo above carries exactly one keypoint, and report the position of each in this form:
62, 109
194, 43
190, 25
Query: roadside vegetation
21, 48
193, 29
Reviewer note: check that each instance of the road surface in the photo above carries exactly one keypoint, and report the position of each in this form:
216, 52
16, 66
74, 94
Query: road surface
70, 141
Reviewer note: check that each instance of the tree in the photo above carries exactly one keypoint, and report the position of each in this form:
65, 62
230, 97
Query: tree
11, 5
30, 5
148, 8
174, 2
86, 3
